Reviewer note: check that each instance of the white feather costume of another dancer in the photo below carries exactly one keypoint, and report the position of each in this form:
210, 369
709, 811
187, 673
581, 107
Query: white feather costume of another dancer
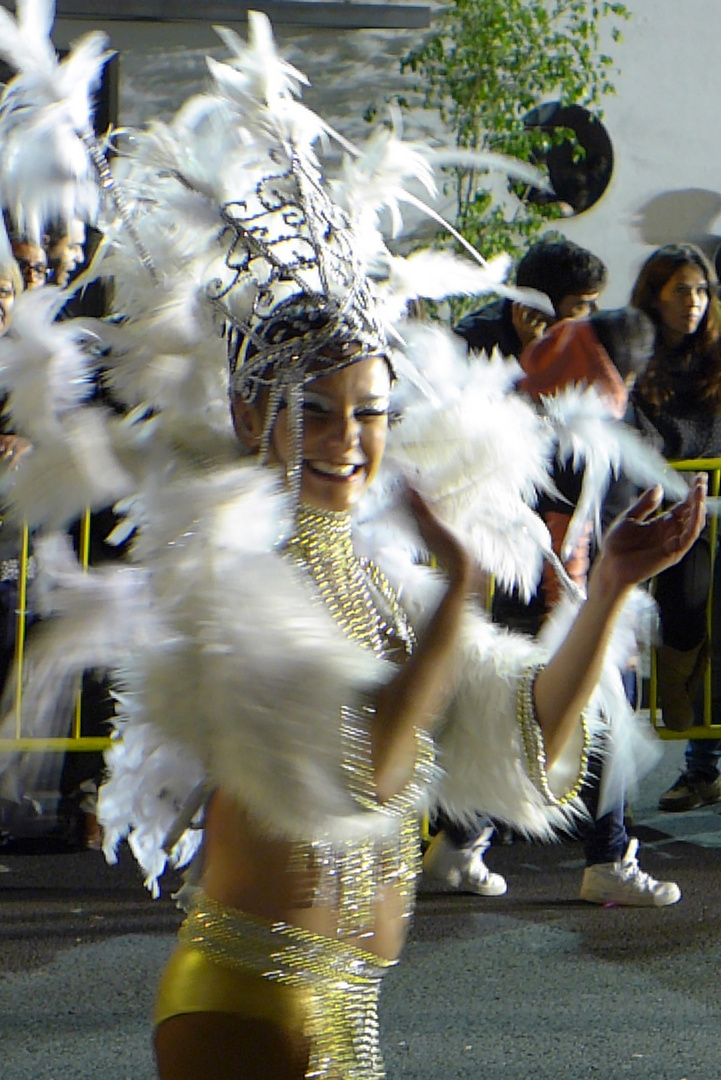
228, 672
45, 120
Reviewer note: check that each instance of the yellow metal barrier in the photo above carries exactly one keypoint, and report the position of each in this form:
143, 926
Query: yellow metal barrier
20, 742
709, 729
76, 741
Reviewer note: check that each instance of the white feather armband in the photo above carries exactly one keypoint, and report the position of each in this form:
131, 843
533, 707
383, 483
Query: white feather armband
491, 749
566, 776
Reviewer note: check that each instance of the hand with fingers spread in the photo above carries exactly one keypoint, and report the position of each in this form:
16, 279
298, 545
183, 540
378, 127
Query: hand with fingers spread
642, 542
638, 546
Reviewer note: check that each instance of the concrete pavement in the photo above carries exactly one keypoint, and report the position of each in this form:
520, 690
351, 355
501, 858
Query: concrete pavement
535, 984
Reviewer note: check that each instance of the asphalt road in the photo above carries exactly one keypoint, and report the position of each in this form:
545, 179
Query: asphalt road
535, 984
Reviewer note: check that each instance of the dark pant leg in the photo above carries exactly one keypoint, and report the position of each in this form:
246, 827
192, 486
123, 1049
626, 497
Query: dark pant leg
461, 835
682, 597
702, 758
604, 838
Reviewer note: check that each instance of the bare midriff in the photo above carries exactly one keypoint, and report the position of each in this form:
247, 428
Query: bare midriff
245, 869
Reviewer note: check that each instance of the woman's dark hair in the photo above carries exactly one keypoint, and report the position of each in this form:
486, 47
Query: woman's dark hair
700, 351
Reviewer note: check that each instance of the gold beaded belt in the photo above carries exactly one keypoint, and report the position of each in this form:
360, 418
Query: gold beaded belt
340, 982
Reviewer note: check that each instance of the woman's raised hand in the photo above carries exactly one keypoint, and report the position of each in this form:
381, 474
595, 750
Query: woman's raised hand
452, 556
642, 543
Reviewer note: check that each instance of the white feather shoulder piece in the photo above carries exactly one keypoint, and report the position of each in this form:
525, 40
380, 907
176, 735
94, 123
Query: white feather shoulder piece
229, 670
253, 674
481, 748
482, 727
477, 451
592, 441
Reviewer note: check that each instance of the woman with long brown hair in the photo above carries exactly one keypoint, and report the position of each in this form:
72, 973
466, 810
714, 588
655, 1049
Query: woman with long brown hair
676, 288
677, 403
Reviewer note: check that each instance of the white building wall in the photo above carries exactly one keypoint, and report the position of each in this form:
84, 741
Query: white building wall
664, 125
663, 122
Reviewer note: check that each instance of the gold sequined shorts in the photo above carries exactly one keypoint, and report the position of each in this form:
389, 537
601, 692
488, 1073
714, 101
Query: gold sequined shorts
231, 962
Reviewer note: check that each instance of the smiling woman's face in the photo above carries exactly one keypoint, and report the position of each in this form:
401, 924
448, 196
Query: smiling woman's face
345, 423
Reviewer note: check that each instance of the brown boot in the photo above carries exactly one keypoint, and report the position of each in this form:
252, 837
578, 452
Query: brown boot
679, 677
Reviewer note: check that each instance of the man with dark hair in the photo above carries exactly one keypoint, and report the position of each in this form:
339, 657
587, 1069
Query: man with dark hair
571, 277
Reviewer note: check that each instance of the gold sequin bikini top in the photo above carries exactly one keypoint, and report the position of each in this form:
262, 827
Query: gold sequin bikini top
349, 876
355, 591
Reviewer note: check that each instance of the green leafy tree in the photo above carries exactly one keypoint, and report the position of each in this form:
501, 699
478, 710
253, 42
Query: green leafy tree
485, 66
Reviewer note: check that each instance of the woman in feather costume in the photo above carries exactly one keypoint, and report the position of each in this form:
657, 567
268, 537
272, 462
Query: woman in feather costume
273, 685
276, 969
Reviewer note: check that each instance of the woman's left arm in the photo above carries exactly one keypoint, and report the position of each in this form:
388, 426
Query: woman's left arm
639, 545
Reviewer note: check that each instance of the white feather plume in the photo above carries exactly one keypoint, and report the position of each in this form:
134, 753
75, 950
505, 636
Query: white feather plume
97, 618
25, 40
477, 451
375, 179
492, 162
629, 745
45, 365
591, 440
435, 275
262, 89
145, 813
259, 62
44, 112
56, 481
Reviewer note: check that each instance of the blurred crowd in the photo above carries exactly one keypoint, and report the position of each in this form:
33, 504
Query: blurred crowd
657, 365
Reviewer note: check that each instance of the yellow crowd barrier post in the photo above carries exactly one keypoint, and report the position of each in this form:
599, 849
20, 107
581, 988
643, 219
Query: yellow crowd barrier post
707, 730
20, 625
84, 558
75, 740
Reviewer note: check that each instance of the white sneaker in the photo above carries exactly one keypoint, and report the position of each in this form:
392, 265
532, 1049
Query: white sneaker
463, 868
625, 882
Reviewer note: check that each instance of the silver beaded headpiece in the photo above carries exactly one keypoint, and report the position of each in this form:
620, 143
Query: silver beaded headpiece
312, 309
